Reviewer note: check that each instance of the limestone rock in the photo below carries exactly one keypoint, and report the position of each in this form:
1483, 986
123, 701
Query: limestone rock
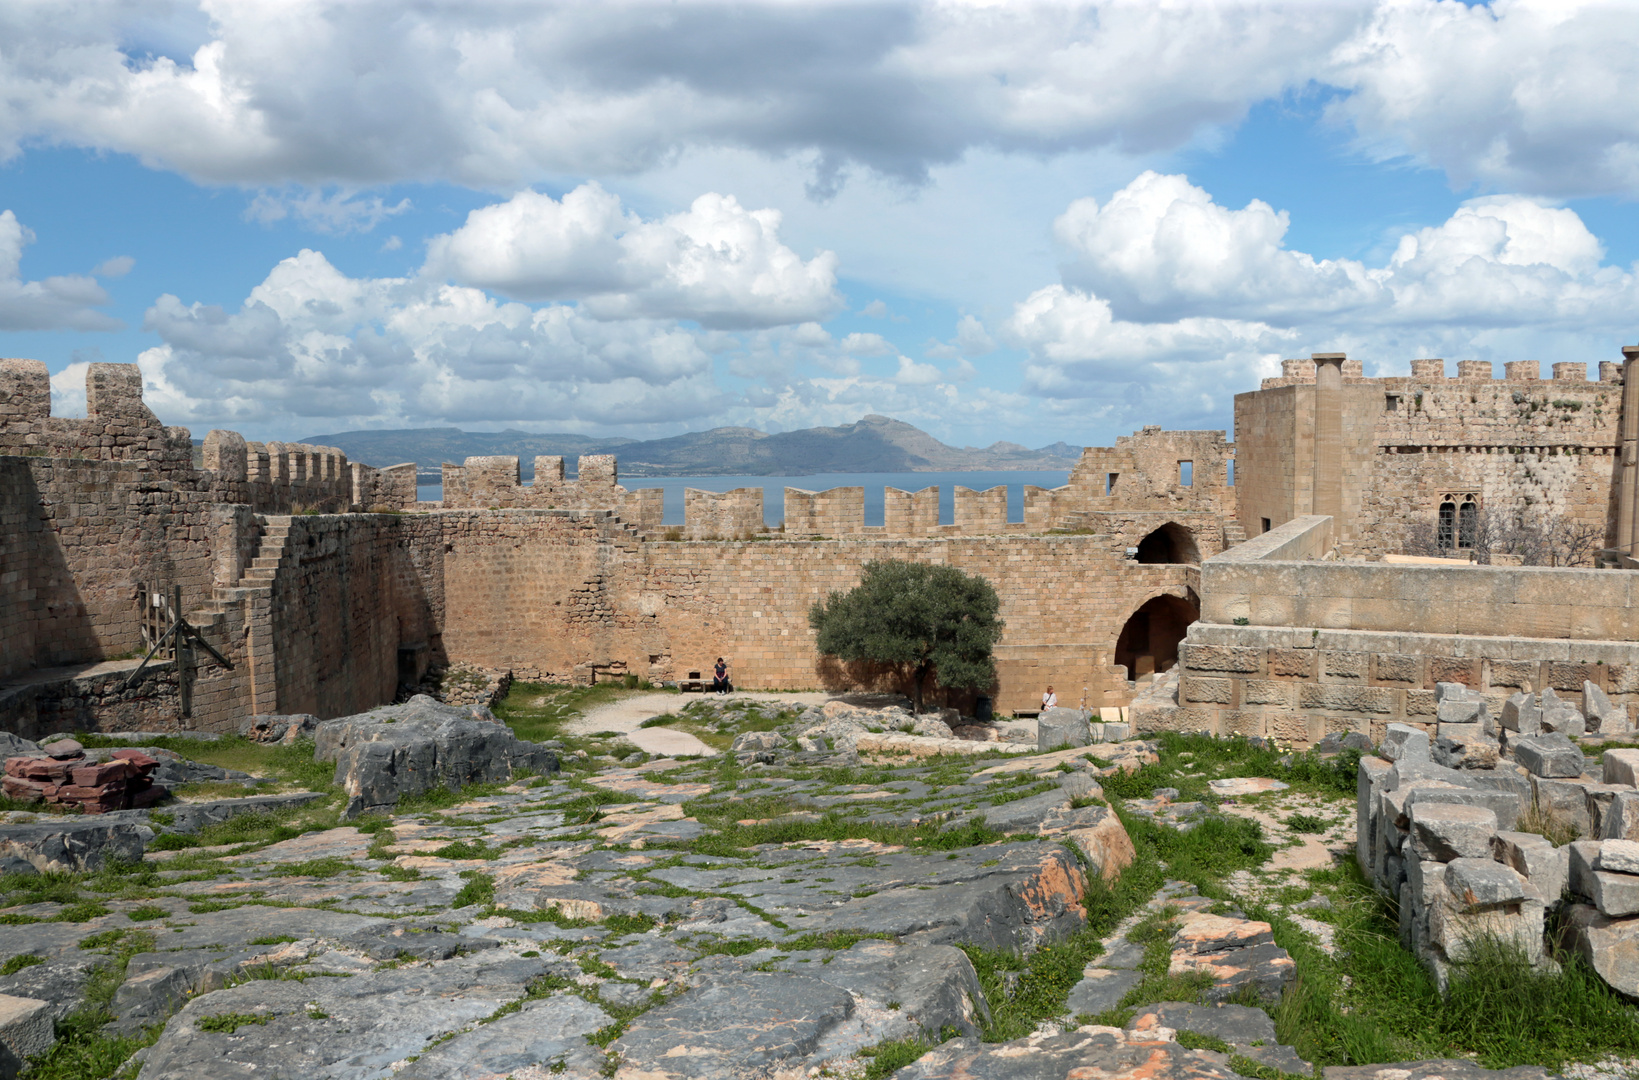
1549, 755
1611, 946
1057, 728
1105, 1053
1098, 832
1402, 742
1466, 746
1444, 831
758, 740
1432, 1070
1100, 990
1533, 857
1480, 883
1621, 767
1618, 856
1561, 716
25, 1031
75, 844
1521, 715
1620, 820
550, 1033
1602, 716
412, 748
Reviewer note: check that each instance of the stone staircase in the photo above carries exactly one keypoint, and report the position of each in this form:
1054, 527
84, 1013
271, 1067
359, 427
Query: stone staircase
1233, 534
270, 553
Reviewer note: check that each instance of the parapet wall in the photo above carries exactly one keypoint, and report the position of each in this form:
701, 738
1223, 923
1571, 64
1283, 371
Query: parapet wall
1293, 646
494, 483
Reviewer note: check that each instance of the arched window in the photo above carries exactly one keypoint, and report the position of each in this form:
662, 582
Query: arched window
1468, 523
1448, 525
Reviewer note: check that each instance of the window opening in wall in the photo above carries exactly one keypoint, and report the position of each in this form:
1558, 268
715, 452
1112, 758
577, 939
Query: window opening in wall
1468, 519
1109, 482
1265, 524
1448, 525
1391, 402
1186, 473
1230, 472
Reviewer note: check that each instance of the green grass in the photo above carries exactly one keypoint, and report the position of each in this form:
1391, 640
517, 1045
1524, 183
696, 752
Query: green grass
85, 1052
886, 1058
147, 913
538, 711
228, 1023
1307, 823
479, 889
19, 962
293, 764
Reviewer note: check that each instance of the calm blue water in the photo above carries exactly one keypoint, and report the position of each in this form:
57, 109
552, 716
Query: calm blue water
873, 483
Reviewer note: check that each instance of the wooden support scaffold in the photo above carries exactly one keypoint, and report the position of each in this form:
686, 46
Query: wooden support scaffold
179, 639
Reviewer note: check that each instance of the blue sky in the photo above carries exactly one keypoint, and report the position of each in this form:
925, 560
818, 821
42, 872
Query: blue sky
1027, 223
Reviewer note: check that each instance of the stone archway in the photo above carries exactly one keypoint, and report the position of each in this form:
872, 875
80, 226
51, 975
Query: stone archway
1171, 543
1148, 642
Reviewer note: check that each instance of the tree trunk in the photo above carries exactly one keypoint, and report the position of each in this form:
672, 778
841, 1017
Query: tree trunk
921, 677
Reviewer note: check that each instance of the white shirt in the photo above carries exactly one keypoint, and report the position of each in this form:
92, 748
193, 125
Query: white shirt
1049, 700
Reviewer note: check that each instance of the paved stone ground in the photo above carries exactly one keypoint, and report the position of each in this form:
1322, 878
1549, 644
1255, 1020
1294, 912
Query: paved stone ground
666, 920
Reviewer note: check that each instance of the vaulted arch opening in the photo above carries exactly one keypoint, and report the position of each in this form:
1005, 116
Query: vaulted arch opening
1149, 640
1171, 543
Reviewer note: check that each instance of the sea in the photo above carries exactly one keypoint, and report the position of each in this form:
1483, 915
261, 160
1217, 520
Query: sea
873, 483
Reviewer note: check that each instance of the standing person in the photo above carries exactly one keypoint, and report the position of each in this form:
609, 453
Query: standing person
719, 677
1049, 700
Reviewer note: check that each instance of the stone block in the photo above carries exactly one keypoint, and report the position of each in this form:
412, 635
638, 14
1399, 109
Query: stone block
1600, 798
1202, 690
26, 1031
1221, 658
1345, 697
1611, 946
1520, 714
1062, 727
1618, 857
1582, 856
1370, 774
1405, 743
1266, 692
1345, 665
1292, 663
1399, 669
1621, 767
1465, 746
1482, 883
1620, 820
1537, 860
1603, 717
1614, 895
1445, 831
1560, 716
1453, 926
1506, 805
1566, 800
1420, 703
1462, 711
1549, 755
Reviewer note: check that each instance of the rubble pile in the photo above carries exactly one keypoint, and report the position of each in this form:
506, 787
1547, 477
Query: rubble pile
61, 774
1461, 829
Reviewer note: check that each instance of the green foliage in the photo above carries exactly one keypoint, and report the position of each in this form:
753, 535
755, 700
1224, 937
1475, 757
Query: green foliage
147, 913
85, 1052
479, 889
467, 849
1307, 823
1191, 1040
228, 1023
920, 618
19, 962
886, 1058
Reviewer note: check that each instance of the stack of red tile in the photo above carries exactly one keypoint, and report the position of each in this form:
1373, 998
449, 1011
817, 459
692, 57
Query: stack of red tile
67, 778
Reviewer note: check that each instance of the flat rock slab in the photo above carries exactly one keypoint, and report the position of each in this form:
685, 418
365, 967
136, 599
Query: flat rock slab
669, 742
1231, 1023
191, 817
549, 1033
368, 1022
745, 1025
639, 786
1433, 1070
74, 844
1100, 990
1236, 786
343, 843
1085, 1054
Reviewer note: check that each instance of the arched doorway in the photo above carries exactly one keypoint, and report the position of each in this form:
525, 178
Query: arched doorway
1149, 640
1171, 543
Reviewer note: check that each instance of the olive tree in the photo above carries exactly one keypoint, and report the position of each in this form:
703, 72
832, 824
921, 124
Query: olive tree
920, 618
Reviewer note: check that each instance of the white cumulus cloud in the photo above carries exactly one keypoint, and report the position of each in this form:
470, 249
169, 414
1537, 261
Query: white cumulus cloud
64, 302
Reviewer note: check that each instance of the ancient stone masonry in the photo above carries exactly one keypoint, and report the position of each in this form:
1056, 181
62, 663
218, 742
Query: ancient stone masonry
493, 483
1522, 447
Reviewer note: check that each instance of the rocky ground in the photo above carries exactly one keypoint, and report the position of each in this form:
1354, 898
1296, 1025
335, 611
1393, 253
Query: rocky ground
840, 890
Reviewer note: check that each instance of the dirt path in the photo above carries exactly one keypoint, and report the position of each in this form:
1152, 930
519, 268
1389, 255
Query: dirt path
627, 714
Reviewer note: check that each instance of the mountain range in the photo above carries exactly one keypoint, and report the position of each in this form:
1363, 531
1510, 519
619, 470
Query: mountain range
874, 444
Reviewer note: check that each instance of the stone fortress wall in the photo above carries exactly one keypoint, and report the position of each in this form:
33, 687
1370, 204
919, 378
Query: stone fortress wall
328, 585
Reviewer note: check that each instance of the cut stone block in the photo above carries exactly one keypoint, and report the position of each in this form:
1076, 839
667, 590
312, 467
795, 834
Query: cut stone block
26, 1031
1534, 857
1549, 755
1062, 727
1504, 804
1618, 856
1453, 925
1521, 715
1482, 883
1446, 831
1611, 946
1614, 894
1620, 820
1621, 767
1462, 712
1600, 799
1604, 717
1566, 800
1402, 742
1454, 691
1561, 716
1582, 857
1466, 746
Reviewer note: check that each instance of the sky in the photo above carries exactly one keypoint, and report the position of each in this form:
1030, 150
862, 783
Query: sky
996, 221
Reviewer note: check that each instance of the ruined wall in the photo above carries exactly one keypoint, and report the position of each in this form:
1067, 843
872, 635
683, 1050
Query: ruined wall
1142, 472
493, 483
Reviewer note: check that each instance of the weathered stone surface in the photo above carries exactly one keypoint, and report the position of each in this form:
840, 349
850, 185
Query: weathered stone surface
1098, 833
1444, 831
1533, 857
412, 748
1521, 715
1465, 747
1085, 1054
1603, 717
549, 1033
1505, 804
758, 740
1100, 990
1566, 800
370, 1020
1024, 815
73, 844
1618, 856
1467, 711
1620, 818
25, 1032
1237, 1024
1081, 785
1560, 716
1620, 767
1478, 883
60, 982
1611, 946
1445, 1069
191, 817
1062, 727
1549, 755
1402, 742
1236, 786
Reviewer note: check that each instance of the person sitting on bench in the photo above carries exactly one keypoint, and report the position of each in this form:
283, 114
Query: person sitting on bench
719, 678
